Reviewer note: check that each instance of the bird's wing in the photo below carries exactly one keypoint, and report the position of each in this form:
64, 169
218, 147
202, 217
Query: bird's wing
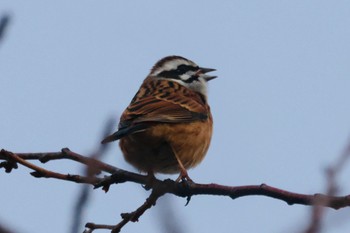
165, 101
161, 101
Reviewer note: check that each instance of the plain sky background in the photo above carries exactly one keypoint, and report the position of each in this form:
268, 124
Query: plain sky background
280, 105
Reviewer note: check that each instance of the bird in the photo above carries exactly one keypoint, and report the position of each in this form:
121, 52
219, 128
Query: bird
168, 125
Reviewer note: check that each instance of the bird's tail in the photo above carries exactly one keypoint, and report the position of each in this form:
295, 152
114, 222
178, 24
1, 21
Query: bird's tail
123, 132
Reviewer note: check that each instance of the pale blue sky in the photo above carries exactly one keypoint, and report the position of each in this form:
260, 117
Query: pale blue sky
280, 105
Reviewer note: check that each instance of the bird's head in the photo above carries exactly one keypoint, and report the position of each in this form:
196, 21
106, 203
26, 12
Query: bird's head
183, 71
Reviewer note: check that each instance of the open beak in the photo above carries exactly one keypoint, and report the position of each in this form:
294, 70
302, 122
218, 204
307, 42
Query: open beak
207, 70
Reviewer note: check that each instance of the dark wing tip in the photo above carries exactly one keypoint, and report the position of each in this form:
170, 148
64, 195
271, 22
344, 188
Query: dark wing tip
112, 137
123, 132
108, 139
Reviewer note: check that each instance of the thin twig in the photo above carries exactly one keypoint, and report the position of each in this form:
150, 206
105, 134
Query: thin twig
40, 172
65, 153
318, 211
159, 189
4, 230
4, 22
90, 171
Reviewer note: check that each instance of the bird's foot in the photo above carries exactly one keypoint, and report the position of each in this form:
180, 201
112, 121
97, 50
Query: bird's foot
184, 176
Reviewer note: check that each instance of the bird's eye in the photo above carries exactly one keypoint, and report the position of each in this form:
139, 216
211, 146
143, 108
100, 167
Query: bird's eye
182, 69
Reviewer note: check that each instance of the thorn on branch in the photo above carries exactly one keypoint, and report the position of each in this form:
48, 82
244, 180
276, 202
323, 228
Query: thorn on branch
186, 185
188, 199
106, 188
45, 158
65, 150
73, 177
92, 226
37, 174
115, 178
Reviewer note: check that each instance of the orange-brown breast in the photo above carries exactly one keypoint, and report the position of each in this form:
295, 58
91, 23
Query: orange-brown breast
173, 119
152, 150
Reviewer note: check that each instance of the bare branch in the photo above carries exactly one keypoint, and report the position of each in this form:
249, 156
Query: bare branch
40, 172
64, 154
159, 188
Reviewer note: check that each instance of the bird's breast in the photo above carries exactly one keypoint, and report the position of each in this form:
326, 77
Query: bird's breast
154, 148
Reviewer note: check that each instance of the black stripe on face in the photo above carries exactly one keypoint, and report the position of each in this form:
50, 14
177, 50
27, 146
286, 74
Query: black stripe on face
190, 80
185, 68
180, 70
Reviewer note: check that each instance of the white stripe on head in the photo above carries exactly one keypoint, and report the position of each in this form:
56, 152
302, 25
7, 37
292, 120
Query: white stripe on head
172, 65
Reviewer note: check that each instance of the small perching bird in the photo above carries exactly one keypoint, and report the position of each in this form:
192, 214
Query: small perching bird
168, 125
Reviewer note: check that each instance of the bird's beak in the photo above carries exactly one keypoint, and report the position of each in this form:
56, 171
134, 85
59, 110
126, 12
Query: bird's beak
207, 70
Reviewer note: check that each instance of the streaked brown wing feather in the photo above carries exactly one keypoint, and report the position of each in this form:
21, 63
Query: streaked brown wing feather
165, 101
